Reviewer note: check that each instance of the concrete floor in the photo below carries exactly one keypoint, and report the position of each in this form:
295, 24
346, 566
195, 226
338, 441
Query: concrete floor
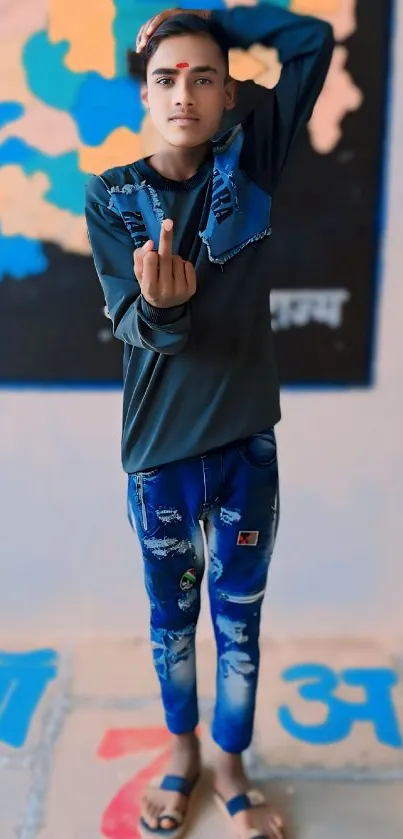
82, 733
322, 810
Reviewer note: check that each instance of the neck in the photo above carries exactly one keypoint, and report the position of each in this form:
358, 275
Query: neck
179, 164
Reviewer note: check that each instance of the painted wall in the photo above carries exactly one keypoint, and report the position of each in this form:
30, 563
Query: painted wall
69, 564
68, 109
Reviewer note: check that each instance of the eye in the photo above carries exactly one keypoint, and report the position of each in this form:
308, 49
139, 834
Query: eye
203, 81
165, 82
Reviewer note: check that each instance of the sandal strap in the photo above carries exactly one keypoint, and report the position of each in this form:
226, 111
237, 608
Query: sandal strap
176, 783
246, 801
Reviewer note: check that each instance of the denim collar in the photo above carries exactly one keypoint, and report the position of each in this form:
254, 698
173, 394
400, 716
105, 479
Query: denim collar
239, 213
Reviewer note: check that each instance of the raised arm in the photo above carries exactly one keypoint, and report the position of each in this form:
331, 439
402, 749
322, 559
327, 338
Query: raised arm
135, 321
305, 47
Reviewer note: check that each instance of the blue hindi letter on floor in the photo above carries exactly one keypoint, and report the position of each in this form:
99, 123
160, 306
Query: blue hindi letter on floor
320, 684
24, 678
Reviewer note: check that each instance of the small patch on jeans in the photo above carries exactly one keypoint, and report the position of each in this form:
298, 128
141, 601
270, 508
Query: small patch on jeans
188, 579
229, 516
249, 538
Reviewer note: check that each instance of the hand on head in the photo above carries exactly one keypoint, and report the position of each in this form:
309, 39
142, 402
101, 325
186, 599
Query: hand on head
148, 29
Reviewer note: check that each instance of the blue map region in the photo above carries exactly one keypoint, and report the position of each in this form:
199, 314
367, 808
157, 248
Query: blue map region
67, 182
21, 257
97, 105
47, 76
10, 111
284, 4
130, 16
103, 105
193, 4
15, 151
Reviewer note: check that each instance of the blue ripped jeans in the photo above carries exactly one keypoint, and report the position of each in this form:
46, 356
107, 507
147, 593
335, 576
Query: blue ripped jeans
231, 493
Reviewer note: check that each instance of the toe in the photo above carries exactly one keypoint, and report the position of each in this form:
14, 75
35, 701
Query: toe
154, 811
167, 823
171, 819
276, 826
150, 821
150, 814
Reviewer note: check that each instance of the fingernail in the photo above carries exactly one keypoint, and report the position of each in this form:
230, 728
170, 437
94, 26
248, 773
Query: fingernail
168, 225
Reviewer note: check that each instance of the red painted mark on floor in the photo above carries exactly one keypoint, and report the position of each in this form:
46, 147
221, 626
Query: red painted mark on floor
118, 742
121, 818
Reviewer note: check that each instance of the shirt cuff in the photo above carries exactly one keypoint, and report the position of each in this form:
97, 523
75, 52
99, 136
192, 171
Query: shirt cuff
162, 317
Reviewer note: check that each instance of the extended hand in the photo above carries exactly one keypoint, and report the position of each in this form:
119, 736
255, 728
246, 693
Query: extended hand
165, 280
149, 28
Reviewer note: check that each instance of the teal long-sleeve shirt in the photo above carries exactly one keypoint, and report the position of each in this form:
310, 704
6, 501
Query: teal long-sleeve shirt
203, 375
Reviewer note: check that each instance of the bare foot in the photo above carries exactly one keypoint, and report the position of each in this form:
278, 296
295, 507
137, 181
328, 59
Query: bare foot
230, 781
185, 763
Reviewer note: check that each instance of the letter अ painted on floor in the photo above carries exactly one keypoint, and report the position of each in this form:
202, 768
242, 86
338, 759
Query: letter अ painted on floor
320, 683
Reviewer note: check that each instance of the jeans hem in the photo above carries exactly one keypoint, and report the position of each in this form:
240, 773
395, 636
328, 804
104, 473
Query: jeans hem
174, 727
231, 748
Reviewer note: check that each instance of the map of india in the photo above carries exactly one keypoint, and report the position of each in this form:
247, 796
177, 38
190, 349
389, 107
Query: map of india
68, 109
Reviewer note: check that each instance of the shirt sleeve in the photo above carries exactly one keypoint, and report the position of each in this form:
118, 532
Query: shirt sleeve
134, 320
273, 118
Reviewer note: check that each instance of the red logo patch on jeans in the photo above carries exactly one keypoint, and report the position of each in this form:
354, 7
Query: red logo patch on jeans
248, 538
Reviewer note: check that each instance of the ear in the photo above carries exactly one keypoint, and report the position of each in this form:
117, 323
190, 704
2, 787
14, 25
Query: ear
230, 94
144, 96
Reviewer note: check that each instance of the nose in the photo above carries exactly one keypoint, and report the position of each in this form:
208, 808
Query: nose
183, 92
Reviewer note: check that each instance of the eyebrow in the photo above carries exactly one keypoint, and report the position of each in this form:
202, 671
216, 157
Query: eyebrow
171, 71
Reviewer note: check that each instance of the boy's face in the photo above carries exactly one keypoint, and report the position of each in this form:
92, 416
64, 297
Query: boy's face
187, 90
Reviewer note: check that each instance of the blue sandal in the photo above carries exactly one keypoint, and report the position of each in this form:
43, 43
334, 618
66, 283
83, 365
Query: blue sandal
170, 783
247, 801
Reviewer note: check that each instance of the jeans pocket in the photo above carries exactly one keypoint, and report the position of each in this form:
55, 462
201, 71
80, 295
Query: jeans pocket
136, 504
260, 450
147, 474
144, 489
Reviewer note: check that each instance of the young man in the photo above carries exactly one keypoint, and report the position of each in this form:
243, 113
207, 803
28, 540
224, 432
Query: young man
200, 389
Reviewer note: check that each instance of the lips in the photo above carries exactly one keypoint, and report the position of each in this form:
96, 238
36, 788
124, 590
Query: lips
184, 118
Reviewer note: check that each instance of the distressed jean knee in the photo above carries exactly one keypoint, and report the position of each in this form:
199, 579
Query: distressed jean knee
174, 653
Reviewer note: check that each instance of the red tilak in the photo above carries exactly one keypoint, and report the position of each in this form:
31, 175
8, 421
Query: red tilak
180, 66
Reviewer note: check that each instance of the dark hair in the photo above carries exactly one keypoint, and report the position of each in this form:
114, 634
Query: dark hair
181, 24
